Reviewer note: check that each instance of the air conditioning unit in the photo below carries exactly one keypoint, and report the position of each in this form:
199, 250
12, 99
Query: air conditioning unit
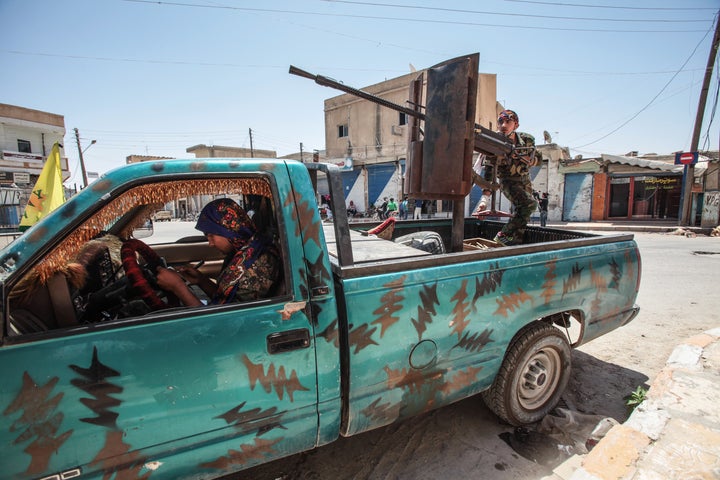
398, 130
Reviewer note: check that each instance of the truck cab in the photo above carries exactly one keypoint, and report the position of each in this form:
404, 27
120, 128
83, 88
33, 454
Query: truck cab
102, 372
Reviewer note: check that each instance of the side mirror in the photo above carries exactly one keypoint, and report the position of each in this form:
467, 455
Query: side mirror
145, 231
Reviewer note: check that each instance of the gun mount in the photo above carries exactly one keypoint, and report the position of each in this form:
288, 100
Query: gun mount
442, 134
451, 93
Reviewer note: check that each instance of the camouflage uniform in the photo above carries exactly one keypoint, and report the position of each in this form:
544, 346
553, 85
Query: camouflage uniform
514, 177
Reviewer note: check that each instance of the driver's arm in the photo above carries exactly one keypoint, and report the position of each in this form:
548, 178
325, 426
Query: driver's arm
194, 276
171, 281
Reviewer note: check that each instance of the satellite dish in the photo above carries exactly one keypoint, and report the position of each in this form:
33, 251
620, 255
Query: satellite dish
412, 68
548, 138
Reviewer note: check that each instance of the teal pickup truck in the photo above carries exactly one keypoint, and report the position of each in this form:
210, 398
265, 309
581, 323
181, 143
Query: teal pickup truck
102, 376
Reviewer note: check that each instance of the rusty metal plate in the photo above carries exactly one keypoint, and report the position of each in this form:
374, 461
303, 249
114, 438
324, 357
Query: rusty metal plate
449, 128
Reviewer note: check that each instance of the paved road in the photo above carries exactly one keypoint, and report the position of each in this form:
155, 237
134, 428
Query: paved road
678, 297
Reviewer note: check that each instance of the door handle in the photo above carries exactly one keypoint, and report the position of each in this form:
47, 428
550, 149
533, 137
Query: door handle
280, 342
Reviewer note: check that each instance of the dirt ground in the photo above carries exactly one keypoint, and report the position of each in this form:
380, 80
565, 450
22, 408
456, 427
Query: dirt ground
678, 297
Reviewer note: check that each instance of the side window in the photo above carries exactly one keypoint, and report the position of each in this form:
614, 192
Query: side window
107, 268
24, 146
342, 131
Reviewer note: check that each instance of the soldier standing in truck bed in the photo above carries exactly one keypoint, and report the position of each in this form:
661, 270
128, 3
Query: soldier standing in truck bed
514, 176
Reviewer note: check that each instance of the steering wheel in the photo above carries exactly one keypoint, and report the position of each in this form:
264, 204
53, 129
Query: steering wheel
141, 279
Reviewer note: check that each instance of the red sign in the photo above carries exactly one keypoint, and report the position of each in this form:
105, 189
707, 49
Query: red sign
686, 158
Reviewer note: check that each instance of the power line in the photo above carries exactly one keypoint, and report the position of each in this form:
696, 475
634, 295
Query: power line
431, 21
484, 12
614, 7
654, 98
134, 60
551, 71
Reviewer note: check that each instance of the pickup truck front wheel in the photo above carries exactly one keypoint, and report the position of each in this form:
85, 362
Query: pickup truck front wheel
533, 375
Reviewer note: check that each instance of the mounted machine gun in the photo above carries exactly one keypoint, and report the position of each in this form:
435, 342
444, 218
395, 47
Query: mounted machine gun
442, 134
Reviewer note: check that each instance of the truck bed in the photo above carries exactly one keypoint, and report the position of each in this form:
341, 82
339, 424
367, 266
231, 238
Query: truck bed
372, 255
369, 248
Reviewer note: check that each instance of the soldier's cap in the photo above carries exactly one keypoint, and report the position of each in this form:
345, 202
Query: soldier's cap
509, 115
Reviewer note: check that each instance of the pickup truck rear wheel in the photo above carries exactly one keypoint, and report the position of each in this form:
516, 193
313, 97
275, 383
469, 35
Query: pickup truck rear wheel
533, 375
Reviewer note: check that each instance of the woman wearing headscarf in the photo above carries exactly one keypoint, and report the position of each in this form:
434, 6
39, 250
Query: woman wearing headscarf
251, 263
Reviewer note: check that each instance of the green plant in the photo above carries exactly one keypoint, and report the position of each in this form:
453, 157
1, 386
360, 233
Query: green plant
635, 398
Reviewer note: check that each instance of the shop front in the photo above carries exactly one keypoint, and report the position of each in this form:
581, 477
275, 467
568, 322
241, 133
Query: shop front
644, 196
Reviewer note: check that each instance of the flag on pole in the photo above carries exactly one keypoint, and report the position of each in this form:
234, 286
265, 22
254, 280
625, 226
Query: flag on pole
48, 193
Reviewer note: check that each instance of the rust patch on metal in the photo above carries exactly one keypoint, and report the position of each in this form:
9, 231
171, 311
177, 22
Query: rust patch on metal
37, 235
115, 456
511, 302
273, 380
39, 422
258, 451
290, 308
550, 282
464, 378
103, 185
461, 310
391, 303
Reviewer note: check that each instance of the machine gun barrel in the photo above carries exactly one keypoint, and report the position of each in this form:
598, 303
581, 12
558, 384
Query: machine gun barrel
329, 82
486, 141
491, 143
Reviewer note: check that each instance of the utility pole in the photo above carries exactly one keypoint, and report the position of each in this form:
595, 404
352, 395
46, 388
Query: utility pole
301, 153
252, 153
690, 169
82, 161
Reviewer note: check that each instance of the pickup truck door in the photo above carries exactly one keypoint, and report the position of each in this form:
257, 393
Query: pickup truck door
173, 393
206, 383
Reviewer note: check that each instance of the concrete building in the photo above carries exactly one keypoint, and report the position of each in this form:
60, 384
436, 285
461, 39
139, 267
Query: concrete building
369, 141
625, 187
26, 138
218, 151
710, 204
144, 158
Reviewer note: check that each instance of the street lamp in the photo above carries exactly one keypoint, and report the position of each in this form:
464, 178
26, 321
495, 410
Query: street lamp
91, 144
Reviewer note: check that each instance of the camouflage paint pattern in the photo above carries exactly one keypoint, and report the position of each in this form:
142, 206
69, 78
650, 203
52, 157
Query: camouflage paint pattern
199, 395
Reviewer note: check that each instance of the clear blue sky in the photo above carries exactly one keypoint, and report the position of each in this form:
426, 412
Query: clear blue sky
153, 78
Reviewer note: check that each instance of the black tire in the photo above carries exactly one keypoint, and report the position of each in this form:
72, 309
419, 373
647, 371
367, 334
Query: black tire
532, 377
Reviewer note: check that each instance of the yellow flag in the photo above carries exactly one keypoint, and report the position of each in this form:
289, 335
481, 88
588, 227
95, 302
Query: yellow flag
48, 193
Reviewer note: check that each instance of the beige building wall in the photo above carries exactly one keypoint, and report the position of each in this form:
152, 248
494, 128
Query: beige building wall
41, 130
486, 109
144, 158
218, 151
34, 116
376, 134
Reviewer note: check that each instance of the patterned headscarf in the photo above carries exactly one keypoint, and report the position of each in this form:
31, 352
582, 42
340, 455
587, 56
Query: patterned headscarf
226, 218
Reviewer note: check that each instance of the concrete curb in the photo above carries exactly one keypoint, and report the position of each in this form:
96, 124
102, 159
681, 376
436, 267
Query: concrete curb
629, 227
674, 433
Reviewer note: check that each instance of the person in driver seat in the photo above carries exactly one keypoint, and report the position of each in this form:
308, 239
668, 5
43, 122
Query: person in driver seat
251, 266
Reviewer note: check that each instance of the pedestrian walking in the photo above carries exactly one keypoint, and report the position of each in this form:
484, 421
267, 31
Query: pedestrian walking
417, 212
543, 207
382, 209
404, 209
392, 207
